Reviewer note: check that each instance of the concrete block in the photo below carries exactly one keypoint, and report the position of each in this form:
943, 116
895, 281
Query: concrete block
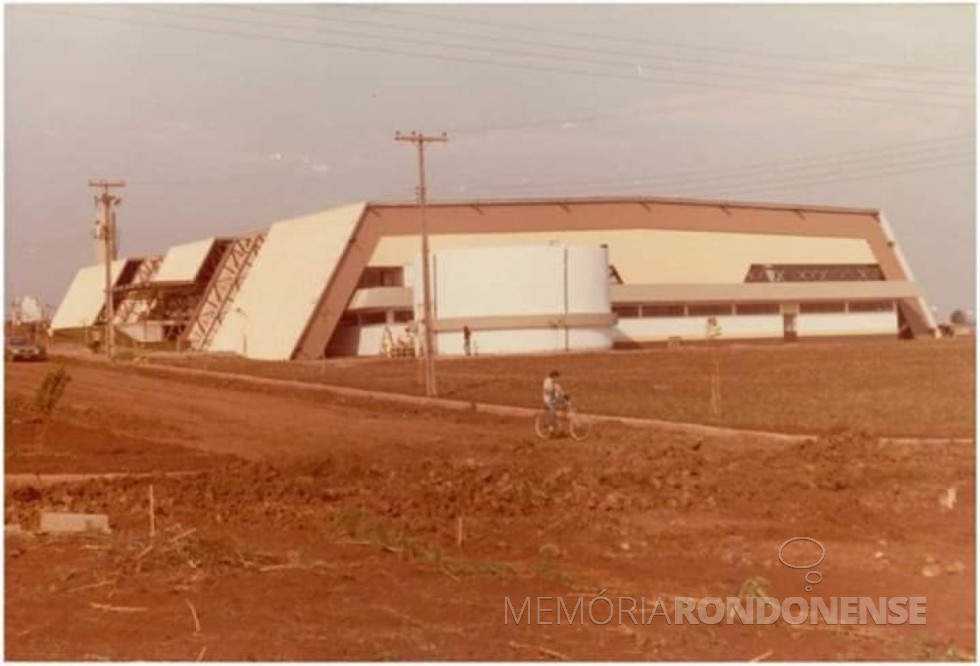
70, 523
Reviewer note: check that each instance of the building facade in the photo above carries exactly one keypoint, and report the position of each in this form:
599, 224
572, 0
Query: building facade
520, 276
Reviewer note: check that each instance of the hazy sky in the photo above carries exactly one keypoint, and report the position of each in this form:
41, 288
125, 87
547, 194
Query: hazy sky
224, 119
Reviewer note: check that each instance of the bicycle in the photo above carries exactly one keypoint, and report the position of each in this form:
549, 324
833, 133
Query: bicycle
577, 426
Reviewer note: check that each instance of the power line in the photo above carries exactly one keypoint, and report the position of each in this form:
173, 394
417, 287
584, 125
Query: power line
789, 164
828, 173
619, 39
802, 84
739, 192
861, 176
833, 175
794, 70
520, 66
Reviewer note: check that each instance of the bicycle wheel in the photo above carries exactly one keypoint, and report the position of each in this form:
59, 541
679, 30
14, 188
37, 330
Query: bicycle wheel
579, 426
541, 427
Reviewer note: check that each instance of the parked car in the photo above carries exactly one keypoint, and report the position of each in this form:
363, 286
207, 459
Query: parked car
22, 349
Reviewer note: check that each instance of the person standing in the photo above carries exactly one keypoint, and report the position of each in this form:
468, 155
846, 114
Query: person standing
467, 341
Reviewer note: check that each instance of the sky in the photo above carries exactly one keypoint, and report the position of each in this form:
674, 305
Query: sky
225, 118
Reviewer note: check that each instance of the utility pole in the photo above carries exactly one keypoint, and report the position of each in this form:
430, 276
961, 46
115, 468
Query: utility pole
105, 230
420, 139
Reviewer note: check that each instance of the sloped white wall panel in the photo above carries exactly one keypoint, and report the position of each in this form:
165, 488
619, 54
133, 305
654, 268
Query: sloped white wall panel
182, 262
85, 296
282, 288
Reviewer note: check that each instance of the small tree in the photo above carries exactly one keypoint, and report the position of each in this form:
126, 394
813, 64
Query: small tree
47, 397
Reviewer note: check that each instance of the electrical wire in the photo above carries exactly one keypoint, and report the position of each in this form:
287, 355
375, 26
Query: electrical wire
797, 83
817, 172
762, 184
520, 66
742, 191
579, 49
804, 163
700, 48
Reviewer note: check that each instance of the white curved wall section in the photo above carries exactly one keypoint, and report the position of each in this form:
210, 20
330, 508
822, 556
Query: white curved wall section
484, 287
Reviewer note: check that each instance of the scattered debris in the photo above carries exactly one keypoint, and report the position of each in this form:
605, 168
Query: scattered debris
948, 499
955, 568
118, 609
197, 621
543, 650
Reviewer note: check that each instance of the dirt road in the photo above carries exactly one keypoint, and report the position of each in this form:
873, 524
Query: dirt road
327, 528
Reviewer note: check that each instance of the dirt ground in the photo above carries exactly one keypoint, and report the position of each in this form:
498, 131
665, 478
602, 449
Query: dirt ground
328, 528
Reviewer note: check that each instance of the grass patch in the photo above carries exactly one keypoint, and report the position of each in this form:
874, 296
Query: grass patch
881, 387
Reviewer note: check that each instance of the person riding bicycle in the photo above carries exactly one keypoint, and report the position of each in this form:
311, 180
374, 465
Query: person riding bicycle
554, 397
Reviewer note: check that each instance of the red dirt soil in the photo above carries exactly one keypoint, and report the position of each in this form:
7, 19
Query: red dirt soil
327, 528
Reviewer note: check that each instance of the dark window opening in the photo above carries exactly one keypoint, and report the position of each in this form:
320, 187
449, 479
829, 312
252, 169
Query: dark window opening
382, 276
627, 311
663, 310
821, 307
757, 309
871, 306
814, 273
373, 318
403, 316
708, 310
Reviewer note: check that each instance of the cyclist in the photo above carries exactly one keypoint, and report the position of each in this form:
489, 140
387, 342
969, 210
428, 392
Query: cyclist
554, 398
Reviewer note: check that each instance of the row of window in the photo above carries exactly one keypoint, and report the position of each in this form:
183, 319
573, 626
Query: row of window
814, 273
382, 276
377, 317
636, 311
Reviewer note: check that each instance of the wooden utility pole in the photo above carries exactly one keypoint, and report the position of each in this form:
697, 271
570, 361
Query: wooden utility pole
428, 347
105, 231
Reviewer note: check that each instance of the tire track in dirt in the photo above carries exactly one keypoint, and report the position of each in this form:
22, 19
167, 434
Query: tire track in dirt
227, 418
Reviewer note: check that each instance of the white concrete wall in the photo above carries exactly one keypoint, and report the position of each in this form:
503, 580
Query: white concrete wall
471, 283
361, 341
852, 323
532, 340
521, 280
743, 327
650, 329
